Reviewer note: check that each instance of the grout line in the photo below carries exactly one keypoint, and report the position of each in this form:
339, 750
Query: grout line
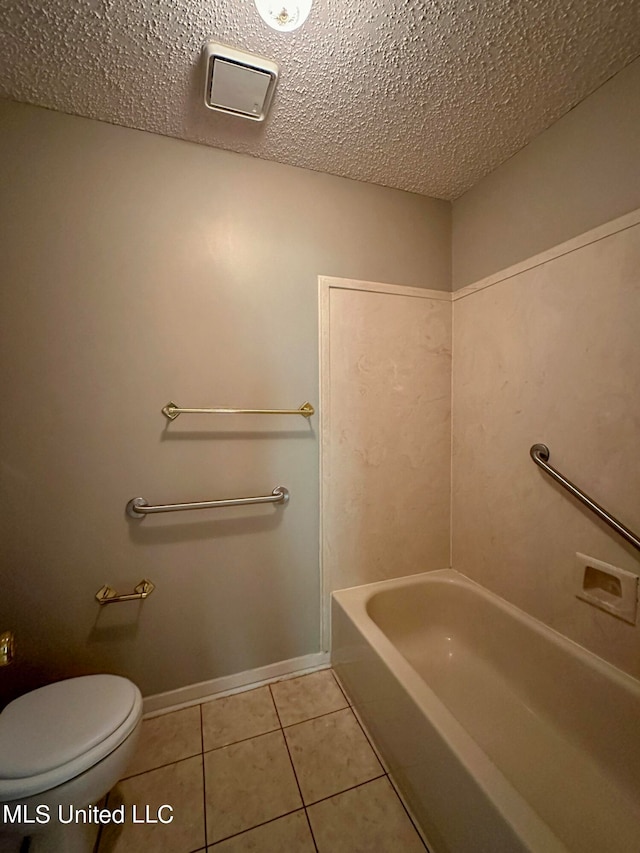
260, 734
317, 717
275, 706
295, 775
335, 678
414, 823
250, 828
233, 743
241, 740
293, 811
351, 788
159, 767
369, 740
298, 677
313, 838
340, 687
389, 776
304, 806
204, 779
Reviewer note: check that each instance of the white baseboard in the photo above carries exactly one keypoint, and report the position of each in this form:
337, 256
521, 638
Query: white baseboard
193, 694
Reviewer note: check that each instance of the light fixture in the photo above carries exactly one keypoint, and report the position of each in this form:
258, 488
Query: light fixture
284, 15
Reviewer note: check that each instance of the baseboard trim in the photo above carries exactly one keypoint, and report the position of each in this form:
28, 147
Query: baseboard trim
193, 694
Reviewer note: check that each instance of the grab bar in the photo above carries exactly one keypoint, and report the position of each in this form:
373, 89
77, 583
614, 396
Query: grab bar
540, 455
138, 507
172, 410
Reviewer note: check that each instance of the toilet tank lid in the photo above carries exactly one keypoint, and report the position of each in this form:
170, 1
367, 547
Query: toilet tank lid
55, 724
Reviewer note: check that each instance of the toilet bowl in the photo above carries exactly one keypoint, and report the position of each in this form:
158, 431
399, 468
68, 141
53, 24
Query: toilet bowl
63, 745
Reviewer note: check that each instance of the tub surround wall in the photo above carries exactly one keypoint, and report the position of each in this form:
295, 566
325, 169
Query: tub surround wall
386, 423
549, 354
139, 269
578, 174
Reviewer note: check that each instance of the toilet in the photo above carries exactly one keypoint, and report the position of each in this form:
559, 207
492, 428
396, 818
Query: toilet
66, 744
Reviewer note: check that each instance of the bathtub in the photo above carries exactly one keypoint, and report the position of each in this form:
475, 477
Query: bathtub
501, 734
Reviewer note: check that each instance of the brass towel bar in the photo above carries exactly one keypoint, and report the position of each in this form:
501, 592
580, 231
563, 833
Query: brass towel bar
107, 595
172, 410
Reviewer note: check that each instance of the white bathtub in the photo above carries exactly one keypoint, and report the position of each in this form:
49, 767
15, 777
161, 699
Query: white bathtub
501, 734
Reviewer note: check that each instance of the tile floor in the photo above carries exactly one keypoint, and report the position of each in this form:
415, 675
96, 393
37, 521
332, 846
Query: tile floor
284, 768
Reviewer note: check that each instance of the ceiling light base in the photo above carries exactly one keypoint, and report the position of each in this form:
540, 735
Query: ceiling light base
284, 15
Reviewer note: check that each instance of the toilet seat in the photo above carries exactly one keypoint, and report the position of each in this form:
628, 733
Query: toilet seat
59, 731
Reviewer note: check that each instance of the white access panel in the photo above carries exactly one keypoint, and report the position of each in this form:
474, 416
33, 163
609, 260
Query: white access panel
238, 88
238, 82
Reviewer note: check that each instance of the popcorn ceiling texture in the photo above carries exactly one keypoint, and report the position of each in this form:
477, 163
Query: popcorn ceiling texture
423, 95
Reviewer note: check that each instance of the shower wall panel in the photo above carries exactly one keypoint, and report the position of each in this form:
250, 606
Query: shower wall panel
550, 352
387, 433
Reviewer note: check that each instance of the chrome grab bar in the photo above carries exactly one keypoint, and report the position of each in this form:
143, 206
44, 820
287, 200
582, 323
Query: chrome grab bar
138, 507
540, 455
172, 410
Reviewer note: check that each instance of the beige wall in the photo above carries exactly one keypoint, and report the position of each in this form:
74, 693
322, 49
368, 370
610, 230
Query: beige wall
386, 422
550, 354
138, 269
581, 172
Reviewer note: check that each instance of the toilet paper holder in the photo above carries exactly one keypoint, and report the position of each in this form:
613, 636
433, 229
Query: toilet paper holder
108, 595
7, 648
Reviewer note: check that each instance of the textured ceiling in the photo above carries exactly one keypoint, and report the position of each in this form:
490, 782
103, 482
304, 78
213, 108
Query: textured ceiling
423, 95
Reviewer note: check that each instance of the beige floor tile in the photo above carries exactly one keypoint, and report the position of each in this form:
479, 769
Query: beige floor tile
365, 819
238, 717
179, 785
289, 834
166, 739
299, 699
330, 754
248, 783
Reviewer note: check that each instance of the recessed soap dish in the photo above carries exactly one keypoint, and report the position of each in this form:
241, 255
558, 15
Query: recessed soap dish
605, 586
